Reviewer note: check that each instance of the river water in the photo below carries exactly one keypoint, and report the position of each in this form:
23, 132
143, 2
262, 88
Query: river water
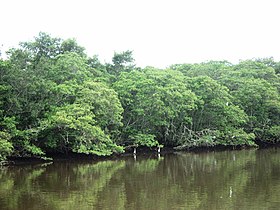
246, 179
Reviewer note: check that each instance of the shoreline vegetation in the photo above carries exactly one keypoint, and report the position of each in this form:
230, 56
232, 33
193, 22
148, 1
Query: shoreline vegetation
141, 152
55, 99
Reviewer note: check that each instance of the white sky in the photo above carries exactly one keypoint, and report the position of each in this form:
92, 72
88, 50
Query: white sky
160, 32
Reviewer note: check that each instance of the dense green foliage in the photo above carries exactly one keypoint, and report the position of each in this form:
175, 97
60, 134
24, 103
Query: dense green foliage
54, 98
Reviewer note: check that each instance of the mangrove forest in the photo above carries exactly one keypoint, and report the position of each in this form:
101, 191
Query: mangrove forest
54, 98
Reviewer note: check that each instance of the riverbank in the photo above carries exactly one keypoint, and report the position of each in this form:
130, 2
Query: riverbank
141, 151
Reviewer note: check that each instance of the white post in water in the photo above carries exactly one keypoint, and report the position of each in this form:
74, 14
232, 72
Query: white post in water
158, 155
134, 153
230, 191
158, 150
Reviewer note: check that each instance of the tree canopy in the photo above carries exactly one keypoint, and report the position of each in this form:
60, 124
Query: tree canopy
56, 98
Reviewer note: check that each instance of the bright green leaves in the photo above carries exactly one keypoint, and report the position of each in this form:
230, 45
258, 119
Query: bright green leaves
215, 109
146, 140
70, 45
50, 91
84, 118
272, 134
23, 141
261, 101
255, 88
215, 115
213, 69
69, 66
6, 147
73, 128
251, 101
255, 95
155, 102
122, 62
104, 102
45, 46
85, 115
235, 137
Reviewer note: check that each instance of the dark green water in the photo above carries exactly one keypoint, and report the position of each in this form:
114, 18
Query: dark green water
248, 179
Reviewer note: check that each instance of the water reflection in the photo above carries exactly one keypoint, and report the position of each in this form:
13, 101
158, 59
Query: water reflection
248, 179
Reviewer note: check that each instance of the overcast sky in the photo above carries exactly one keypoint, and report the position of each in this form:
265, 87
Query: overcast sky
160, 32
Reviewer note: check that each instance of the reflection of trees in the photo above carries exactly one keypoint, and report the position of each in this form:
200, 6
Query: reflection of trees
227, 180
214, 177
129, 184
264, 184
58, 186
17, 187
216, 180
